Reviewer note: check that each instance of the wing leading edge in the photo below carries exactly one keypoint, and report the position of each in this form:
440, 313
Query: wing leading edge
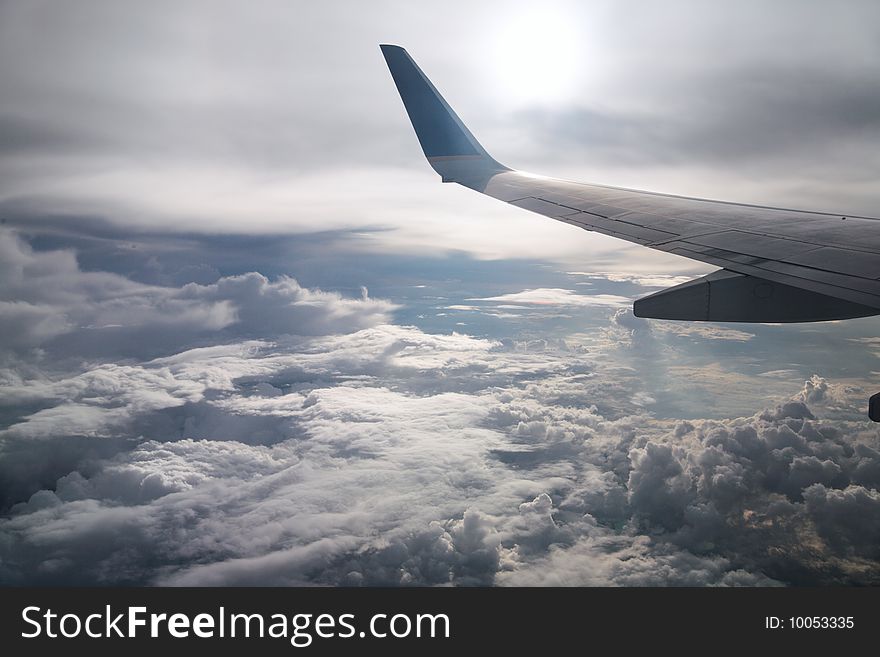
777, 265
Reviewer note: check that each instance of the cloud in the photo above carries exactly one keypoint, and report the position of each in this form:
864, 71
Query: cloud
847, 518
818, 391
643, 331
657, 485
642, 280
392, 456
624, 318
261, 144
556, 297
49, 301
171, 416
382, 454
607, 561
704, 331
24, 324
744, 119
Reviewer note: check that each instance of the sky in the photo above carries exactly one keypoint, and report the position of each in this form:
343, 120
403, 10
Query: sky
247, 337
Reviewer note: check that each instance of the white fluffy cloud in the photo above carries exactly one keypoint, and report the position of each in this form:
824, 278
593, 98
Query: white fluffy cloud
391, 456
372, 453
46, 296
642, 280
557, 297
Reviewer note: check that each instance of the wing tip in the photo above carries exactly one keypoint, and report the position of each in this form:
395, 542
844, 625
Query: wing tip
449, 146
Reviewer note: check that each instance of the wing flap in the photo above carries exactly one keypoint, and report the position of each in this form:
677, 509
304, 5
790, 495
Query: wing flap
547, 208
619, 228
727, 296
752, 244
852, 263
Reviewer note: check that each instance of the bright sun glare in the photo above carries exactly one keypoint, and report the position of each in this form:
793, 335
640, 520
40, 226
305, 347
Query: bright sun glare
537, 56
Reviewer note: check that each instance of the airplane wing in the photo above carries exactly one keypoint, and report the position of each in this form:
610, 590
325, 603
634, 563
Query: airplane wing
776, 265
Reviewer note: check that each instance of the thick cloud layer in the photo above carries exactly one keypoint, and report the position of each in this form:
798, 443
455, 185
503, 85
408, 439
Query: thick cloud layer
392, 456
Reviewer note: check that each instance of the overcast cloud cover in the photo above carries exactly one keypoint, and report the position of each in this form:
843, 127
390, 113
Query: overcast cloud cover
247, 338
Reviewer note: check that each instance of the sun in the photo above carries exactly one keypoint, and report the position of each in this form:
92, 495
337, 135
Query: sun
538, 56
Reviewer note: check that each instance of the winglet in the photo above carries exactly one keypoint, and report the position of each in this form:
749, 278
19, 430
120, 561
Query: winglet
448, 145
